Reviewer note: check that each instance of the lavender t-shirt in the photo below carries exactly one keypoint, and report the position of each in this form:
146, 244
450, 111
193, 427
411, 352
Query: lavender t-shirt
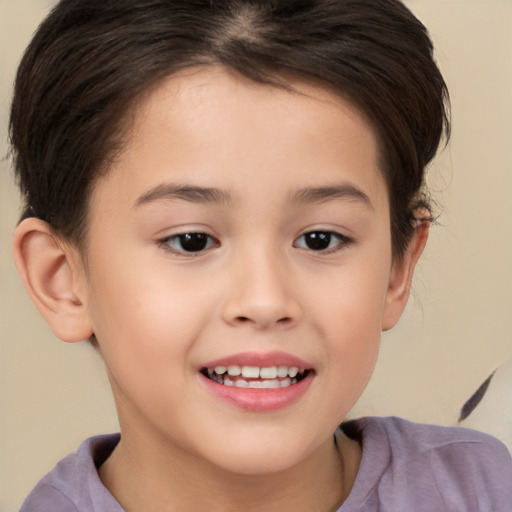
405, 467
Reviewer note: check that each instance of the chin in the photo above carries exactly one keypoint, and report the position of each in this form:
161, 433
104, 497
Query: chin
258, 458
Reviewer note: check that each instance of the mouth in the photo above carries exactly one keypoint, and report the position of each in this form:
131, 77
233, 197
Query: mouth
258, 382
256, 377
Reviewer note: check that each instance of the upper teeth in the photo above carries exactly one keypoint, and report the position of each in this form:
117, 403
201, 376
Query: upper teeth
255, 372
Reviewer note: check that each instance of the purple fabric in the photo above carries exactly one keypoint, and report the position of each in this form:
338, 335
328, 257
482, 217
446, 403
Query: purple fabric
409, 467
406, 467
73, 484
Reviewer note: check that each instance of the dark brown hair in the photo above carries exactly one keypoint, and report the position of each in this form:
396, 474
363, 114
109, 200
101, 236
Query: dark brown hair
91, 59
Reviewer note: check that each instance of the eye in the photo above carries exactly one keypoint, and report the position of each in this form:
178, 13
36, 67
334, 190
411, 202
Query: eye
321, 241
190, 242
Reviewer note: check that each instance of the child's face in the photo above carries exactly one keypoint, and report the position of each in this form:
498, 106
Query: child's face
293, 269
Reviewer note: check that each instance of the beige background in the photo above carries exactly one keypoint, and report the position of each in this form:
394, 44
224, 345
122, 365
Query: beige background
456, 330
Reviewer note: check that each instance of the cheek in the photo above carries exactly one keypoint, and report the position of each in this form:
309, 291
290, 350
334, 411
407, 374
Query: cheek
138, 313
145, 335
349, 310
352, 300
354, 348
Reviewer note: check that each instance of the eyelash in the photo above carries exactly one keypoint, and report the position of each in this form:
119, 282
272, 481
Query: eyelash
206, 242
209, 243
321, 236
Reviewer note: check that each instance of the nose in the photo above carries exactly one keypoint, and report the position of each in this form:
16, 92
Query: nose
261, 293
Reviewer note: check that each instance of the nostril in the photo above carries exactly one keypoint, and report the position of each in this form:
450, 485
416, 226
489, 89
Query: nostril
284, 320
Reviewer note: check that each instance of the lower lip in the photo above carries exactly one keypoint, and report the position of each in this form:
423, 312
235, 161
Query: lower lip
259, 400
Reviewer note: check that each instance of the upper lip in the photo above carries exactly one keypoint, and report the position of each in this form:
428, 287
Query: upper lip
262, 360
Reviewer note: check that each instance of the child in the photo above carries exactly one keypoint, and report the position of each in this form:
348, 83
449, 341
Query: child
225, 198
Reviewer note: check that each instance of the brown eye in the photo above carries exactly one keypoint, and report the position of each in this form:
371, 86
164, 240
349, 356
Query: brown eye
321, 240
191, 242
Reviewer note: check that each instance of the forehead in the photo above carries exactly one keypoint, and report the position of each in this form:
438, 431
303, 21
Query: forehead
201, 99
215, 127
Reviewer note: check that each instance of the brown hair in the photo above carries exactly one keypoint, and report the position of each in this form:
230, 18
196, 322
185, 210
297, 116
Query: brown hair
91, 59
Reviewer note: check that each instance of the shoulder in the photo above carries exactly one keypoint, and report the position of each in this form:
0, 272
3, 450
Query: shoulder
419, 436
45, 498
456, 468
416, 440
73, 484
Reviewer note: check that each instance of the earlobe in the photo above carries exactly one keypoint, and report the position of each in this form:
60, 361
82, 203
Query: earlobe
402, 274
50, 278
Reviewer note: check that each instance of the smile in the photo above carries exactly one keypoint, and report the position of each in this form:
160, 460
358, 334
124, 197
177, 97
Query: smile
258, 382
267, 377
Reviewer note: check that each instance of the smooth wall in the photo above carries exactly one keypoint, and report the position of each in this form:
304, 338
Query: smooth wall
455, 331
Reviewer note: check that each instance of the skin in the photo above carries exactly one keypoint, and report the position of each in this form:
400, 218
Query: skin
160, 314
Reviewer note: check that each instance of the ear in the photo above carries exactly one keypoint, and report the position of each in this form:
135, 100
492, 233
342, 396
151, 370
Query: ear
51, 275
401, 275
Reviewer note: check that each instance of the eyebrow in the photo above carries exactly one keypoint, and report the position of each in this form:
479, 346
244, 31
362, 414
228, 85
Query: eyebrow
197, 194
327, 193
191, 193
